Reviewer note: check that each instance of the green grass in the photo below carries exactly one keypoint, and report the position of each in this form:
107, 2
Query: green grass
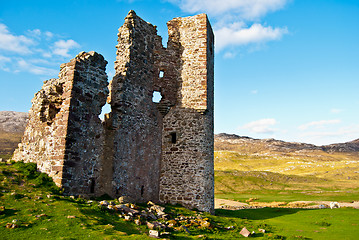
269, 187
316, 224
243, 173
32, 199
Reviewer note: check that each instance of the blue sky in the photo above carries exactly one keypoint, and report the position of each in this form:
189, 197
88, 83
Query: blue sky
284, 69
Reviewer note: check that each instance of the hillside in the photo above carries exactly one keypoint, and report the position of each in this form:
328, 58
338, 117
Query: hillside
224, 141
280, 170
12, 126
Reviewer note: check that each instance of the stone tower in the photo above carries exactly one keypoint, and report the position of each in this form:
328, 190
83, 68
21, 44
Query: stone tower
159, 151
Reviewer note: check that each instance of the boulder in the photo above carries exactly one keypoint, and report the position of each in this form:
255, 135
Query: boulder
244, 232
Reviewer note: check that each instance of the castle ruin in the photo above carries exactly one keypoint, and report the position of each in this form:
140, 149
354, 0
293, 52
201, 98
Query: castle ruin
162, 151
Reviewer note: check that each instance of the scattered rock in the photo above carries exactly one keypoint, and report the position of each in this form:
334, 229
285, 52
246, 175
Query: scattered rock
125, 199
138, 222
11, 225
261, 230
244, 232
71, 216
155, 225
334, 205
104, 203
154, 233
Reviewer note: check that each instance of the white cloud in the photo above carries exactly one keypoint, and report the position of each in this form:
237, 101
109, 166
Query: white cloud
38, 50
230, 19
3, 63
63, 47
343, 134
229, 55
34, 33
254, 91
12, 43
49, 34
24, 66
336, 110
261, 126
4, 59
235, 34
318, 124
247, 9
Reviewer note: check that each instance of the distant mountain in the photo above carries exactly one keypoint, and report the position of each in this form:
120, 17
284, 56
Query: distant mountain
12, 126
13, 121
224, 141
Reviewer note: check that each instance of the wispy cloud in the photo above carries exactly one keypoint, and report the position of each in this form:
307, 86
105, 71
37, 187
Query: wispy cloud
35, 52
3, 63
336, 110
24, 66
14, 43
328, 136
236, 34
229, 55
247, 9
261, 126
63, 47
319, 124
231, 19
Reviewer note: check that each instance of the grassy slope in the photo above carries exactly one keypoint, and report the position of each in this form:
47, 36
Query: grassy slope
24, 195
243, 171
8, 142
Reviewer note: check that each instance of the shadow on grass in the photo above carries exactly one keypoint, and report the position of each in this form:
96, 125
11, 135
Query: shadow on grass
9, 213
103, 217
259, 213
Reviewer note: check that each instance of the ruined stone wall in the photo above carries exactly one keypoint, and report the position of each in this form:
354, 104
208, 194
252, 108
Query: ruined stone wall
85, 135
135, 120
63, 135
162, 151
45, 134
187, 159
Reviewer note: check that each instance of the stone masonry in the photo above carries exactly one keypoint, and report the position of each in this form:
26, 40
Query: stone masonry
159, 151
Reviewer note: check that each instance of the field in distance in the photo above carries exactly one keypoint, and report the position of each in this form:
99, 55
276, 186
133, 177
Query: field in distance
273, 170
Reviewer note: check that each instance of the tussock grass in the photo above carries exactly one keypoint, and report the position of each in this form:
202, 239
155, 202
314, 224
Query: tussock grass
243, 172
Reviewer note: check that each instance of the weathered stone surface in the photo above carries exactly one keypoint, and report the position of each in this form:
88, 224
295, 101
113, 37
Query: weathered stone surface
244, 232
144, 150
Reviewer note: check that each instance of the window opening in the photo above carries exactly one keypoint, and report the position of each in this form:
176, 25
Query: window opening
142, 190
162, 73
156, 97
105, 109
92, 186
173, 137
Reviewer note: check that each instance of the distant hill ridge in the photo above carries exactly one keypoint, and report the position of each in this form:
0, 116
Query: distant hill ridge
279, 145
11, 121
12, 126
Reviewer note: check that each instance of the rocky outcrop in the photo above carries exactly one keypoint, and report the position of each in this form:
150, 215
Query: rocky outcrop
13, 122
